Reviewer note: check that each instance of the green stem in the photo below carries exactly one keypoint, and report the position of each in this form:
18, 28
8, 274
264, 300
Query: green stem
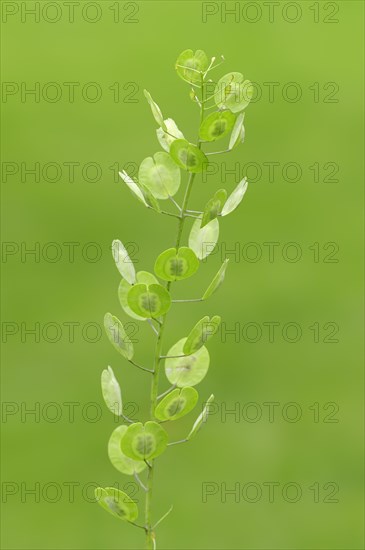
178, 442
156, 368
139, 366
219, 152
186, 301
169, 214
150, 535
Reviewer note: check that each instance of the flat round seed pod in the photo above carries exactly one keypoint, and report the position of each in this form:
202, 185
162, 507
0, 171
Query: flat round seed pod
111, 391
188, 156
117, 503
120, 461
150, 200
216, 125
214, 207
235, 197
201, 333
233, 92
156, 111
238, 132
176, 404
202, 418
149, 301
144, 441
202, 240
124, 287
160, 175
217, 280
117, 336
172, 133
186, 371
190, 66
174, 265
123, 262
133, 186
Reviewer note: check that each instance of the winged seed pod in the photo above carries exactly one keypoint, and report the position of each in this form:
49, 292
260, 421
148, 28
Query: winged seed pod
134, 446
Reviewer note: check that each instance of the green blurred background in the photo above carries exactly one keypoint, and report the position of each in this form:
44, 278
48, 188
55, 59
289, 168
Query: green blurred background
136, 47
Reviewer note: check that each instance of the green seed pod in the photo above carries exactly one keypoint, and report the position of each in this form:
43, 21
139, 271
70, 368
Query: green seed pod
174, 265
144, 442
189, 370
117, 503
188, 156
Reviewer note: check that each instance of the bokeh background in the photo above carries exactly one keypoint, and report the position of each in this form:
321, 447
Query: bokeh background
317, 47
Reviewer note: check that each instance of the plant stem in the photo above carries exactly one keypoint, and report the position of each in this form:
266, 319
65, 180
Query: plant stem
169, 214
150, 535
167, 391
139, 481
219, 152
178, 442
139, 366
188, 300
163, 517
149, 321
